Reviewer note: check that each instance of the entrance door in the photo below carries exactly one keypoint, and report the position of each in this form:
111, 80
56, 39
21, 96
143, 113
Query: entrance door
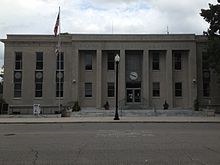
133, 95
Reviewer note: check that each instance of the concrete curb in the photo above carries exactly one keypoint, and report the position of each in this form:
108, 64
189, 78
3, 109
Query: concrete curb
110, 120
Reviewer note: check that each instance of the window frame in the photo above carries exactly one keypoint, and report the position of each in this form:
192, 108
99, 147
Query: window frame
177, 60
156, 89
88, 90
156, 60
110, 61
18, 60
111, 89
178, 90
39, 60
88, 61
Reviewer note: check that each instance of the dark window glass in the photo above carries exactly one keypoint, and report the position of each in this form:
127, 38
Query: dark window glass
111, 61
156, 89
205, 62
206, 89
111, 90
88, 62
59, 89
178, 89
156, 61
177, 61
18, 60
38, 83
60, 61
88, 89
59, 83
39, 60
17, 83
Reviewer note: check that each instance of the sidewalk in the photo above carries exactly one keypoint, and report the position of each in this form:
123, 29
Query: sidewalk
126, 116
54, 120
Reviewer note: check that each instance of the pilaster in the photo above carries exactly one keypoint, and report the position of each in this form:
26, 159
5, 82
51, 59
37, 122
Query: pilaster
169, 78
99, 79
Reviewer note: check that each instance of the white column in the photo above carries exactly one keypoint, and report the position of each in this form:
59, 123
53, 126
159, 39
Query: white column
121, 79
99, 79
169, 78
145, 78
192, 75
76, 78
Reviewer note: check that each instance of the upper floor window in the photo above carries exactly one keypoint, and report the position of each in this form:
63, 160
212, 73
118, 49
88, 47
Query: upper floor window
205, 62
39, 60
60, 61
177, 60
111, 61
156, 61
18, 60
178, 89
88, 62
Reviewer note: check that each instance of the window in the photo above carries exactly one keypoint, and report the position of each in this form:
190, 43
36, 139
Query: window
59, 83
156, 61
178, 89
39, 60
18, 75
18, 60
60, 75
206, 89
59, 89
88, 89
60, 61
205, 62
17, 83
177, 61
206, 76
111, 89
111, 61
88, 62
38, 83
156, 89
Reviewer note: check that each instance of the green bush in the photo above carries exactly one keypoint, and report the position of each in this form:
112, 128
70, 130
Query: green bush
76, 107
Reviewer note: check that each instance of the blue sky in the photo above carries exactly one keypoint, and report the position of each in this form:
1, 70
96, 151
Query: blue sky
101, 16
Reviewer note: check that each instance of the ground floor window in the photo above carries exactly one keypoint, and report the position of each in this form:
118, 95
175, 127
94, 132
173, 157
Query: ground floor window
88, 89
17, 83
111, 89
59, 83
178, 89
156, 89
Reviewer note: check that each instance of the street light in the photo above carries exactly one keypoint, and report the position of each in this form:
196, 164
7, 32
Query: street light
117, 59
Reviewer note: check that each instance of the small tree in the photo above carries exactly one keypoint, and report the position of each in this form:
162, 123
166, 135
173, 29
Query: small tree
212, 16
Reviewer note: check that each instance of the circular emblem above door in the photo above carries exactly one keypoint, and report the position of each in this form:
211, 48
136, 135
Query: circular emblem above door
133, 76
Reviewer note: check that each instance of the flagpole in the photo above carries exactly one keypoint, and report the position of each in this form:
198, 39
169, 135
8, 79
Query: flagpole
59, 58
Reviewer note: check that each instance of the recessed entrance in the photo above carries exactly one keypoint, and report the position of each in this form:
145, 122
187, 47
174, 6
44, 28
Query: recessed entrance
133, 95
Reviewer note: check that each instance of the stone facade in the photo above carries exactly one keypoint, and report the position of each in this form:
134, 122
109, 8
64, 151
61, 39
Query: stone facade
152, 69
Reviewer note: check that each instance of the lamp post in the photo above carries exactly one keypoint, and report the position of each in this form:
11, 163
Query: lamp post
117, 59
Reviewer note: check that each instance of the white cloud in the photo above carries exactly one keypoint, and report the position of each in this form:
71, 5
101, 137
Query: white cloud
101, 16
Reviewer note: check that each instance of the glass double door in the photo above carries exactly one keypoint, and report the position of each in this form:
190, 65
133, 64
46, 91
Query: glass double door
133, 95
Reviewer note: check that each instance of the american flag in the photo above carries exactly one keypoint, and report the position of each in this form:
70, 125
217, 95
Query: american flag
57, 24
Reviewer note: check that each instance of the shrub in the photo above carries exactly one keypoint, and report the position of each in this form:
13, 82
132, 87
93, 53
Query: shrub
76, 107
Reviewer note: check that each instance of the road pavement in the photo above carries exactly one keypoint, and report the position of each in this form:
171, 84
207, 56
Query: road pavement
110, 144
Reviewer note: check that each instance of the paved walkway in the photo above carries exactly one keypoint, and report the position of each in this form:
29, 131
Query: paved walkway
126, 116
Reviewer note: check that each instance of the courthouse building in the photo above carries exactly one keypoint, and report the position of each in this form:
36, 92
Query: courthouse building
152, 69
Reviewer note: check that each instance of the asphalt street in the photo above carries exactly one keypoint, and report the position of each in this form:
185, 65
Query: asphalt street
110, 144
